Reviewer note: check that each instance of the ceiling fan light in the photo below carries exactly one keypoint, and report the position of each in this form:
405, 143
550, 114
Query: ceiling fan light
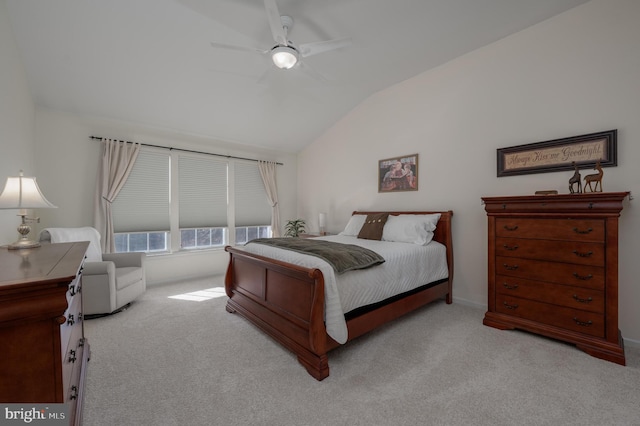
284, 57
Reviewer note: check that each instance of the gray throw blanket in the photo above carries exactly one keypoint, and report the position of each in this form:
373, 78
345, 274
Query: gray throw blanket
342, 257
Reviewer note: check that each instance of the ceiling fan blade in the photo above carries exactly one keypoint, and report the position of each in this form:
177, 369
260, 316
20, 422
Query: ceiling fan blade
275, 22
309, 49
236, 47
311, 72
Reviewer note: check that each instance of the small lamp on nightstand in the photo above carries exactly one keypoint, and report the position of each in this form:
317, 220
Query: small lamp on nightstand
22, 193
322, 223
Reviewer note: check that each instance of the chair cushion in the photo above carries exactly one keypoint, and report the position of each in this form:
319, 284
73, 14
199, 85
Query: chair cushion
127, 276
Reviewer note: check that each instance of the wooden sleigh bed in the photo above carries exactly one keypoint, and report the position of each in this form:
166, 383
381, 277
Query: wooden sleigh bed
287, 301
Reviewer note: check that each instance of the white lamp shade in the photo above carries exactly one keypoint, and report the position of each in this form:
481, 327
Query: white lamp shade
322, 220
284, 57
22, 192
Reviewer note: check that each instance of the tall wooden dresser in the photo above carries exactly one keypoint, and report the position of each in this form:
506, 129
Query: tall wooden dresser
42, 345
553, 268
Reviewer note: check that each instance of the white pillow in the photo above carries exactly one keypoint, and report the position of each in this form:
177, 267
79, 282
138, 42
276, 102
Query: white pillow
410, 228
354, 225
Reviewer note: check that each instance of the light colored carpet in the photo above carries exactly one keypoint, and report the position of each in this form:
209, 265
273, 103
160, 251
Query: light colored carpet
177, 362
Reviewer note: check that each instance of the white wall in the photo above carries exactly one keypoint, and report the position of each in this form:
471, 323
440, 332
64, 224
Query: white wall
68, 160
17, 122
574, 74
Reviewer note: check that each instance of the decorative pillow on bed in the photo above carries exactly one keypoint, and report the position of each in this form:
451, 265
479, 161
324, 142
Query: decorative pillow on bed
354, 225
373, 226
410, 228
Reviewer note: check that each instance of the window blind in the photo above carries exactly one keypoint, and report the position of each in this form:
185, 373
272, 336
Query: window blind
143, 203
202, 185
251, 204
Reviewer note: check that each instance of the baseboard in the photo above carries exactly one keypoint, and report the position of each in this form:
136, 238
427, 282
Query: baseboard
471, 304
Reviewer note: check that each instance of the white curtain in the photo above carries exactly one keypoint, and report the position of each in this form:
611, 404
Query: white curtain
118, 158
268, 174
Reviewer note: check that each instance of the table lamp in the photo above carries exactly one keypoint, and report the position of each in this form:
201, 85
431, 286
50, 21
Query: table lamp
322, 223
22, 193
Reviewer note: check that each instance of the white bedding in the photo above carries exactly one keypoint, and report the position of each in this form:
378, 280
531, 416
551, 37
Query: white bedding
407, 266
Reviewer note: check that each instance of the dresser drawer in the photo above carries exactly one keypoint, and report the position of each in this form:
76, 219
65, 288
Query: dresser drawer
559, 251
554, 272
564, 318
552, 229
556, 294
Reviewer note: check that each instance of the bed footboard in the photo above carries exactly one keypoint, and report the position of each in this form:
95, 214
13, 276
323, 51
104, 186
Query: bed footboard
285, 301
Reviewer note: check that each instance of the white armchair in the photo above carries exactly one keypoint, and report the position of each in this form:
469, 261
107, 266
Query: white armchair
110, 281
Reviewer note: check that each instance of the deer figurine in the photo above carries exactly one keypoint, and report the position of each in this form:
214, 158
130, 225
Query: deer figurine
575, 179
596, 177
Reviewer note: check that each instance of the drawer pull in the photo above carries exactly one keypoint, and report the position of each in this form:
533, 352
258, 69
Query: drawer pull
586, 231
510, 248
587, 300
72, 355
587, 254
74, 392
510, 287
508, 306
582, 323
582, 277
511, 228
510, 267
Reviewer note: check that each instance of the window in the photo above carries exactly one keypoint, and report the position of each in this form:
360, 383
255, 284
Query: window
203, 237
202, 200
213, 203
248, 233
141, 209
141, 241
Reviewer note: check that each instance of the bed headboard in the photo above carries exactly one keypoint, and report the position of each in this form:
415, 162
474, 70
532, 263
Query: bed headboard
442, 234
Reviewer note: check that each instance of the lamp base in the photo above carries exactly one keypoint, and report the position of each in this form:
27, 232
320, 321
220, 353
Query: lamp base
23, 244
23, 230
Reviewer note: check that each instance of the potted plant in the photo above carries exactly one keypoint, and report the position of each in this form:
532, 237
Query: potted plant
294, 228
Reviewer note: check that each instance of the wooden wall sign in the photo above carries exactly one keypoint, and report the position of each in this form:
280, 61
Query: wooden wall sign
559, 154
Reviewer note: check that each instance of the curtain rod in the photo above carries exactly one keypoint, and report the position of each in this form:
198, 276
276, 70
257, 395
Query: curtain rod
183, 150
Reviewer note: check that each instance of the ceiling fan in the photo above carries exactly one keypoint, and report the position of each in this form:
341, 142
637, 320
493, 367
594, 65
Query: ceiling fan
285, 54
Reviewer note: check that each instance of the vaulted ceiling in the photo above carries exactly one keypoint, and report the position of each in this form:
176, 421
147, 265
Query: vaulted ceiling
151, 62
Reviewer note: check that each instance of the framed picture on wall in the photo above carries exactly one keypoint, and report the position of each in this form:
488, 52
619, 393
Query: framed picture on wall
398, 174
559, 154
